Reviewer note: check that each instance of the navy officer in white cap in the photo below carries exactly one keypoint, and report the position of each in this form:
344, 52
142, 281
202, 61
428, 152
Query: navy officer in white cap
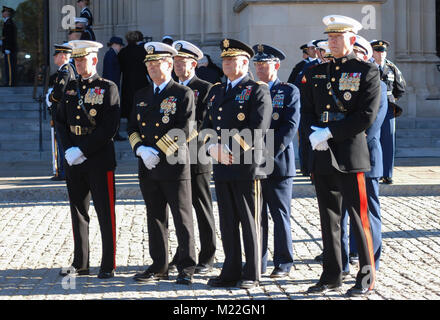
185, 63
158, 109
339, 102
277, 188
87, 119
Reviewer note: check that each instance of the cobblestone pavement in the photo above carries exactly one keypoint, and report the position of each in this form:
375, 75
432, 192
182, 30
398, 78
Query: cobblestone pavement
36, 241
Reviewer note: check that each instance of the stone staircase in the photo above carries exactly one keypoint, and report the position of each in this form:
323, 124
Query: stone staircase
19, 131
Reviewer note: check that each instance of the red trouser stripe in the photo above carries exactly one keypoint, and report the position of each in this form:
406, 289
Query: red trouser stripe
366, 223
111, 195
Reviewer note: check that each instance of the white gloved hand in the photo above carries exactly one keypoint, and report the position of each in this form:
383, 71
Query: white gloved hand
7, 52
79, 161
319, 136
72, 155
49, 104
221, 153
323, 146
149, 156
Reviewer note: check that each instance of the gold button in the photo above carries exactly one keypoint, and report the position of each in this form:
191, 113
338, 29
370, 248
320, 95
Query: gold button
220, 109
143, 124
157, 124
78, 117
218, 128
330, 93
219, 118
338, 67
79, 108
143, 137
241, 107
67, 101
316, 86
219, 138
156, 137
84, 87
328, 107
333, 79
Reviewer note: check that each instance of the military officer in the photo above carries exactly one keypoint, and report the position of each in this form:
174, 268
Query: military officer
299, 66
87, 33
185, 63
159, 110
339, 101
396, 87
239, 113
87, 120
277, 188
66, 72
9, 46
87, 14
364, 51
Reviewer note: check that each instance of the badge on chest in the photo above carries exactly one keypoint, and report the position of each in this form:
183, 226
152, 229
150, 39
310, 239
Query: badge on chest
168, 107
94, 96
350, 81
244, 95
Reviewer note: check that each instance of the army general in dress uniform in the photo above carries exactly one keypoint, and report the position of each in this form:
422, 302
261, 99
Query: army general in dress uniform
240, 104
277, 188
164, 180
185, 64
339, 101
87, 120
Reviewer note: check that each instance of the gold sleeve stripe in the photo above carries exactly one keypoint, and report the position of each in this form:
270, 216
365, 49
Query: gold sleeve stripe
167, 145
192, 136
134, 139
241, 142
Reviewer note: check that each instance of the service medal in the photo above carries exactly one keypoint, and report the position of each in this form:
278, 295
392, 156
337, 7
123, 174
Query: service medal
347, 96
241, 117
165, 119
276, 116
93, 112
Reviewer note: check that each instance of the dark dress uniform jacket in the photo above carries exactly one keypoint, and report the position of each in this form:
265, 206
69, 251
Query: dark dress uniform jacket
59, 82
357, 85
9, 36
112, 69
296, 70
285, 122
393, 78
147, 121
246, 106
201, 89
101, 100
134, 75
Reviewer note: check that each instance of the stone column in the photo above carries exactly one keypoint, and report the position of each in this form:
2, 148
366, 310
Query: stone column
429, 47
402, 50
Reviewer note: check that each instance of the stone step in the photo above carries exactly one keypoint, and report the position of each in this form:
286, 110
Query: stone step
417, 123
417, 152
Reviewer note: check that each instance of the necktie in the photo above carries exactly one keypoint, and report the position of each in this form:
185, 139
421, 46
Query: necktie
229, 87
156, 91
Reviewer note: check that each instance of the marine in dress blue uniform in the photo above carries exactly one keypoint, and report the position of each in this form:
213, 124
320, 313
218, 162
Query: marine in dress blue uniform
396, 87
349, 248
245, 106
277, 188
339, 101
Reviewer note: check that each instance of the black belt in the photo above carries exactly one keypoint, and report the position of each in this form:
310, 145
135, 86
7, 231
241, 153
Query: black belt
81, 131
331, 116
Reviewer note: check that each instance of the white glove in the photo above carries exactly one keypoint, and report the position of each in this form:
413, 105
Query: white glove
79, 161
323, 146
73, 155
49, 104
7, 52
319, 136
149, 156
221, 153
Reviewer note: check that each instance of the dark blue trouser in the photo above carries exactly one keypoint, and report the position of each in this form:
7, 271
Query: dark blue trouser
388, 143
374, 216
277, 195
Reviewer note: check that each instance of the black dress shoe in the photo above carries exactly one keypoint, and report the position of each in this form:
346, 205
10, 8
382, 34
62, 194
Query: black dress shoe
148, 276
323, 288
57, 178
248, 284
72, 271
387, 180
106, 274
220, 283
203, 269
358, 291
279, 273
319, 258
184, 278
